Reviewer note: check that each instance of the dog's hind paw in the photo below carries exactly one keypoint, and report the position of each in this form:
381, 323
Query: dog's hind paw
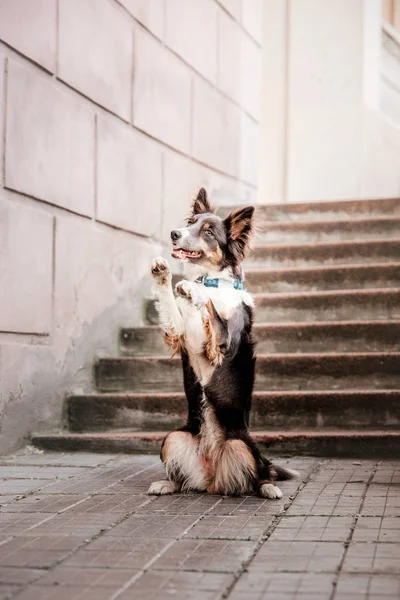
270, 491
161, 488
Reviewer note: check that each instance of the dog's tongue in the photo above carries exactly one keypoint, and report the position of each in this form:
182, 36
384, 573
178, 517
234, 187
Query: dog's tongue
180, 253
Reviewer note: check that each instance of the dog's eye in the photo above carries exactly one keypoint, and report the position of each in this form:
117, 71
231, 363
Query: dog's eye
209, 232
191, 222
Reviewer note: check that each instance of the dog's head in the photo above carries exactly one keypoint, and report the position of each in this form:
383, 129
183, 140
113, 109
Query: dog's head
210, 241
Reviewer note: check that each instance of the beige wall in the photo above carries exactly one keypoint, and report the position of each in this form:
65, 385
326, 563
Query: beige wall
112, 114
330, 109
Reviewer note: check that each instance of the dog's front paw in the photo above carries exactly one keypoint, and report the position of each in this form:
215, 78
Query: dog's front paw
161, 270
161, 488
270, 491
190, 292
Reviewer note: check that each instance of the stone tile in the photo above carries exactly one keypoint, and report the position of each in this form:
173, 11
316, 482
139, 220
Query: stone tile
149, 12
43, 503
2, 88
22, 228
377, 529
53, 132
185, 504
21, 486
191, 31
96, 52
230, 527
234, 7
8, 590
90, 257
367, 586
75, 576
205, 555
37, 552
38, 592
154, 526
135, 554
253, 19
39, 17
16, 524
83, 525
249, 150
239, 73
324, 529
372, 558
19, 576
315, 585
162, 93
216, 129
129, 178
45, 472
276, 556
179, 585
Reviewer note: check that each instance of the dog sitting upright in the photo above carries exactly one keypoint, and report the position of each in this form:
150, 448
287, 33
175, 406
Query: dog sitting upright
210, 323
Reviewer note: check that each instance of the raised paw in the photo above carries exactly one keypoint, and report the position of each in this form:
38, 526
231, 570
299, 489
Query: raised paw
270, 491
161, 270
161, 488
189, 291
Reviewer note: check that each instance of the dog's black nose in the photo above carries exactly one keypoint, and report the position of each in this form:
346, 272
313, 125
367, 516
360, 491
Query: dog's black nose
175, 235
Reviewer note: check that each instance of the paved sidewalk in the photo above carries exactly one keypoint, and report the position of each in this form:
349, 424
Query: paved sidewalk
80, 526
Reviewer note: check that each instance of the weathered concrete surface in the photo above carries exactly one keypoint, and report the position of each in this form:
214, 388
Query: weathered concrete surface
82, 525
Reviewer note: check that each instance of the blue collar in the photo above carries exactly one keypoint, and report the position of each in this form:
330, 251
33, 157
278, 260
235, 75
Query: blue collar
215, 282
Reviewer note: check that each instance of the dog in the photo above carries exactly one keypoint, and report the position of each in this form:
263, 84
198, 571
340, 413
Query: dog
209, 323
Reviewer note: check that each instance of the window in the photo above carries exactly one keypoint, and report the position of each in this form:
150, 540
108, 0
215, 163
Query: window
391, 13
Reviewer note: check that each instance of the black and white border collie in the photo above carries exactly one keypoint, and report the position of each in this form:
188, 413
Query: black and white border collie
209, 323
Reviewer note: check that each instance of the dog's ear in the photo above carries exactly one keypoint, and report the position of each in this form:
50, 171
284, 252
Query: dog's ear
201, 203
239, 226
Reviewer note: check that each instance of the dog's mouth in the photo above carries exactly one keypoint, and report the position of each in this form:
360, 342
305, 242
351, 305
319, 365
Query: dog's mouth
180, 253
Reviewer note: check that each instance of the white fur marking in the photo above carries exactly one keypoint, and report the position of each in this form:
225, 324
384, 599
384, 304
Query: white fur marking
161, 488
270, 491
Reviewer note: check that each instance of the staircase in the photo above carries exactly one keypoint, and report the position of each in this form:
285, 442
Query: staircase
326, 279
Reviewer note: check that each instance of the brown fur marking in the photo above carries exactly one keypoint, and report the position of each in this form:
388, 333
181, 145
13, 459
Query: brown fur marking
173, 341
213, 351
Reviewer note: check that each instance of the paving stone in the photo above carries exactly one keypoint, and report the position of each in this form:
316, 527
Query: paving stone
70, 541
136, 556
368, 586
19, 576
276, 556
324, 529
230, 528
372, 558
318, 584
168, 583
37, 552
205, 555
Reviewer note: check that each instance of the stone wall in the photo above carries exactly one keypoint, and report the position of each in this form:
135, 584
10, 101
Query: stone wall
112, 114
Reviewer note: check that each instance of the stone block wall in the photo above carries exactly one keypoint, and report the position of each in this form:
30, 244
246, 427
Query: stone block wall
112, 114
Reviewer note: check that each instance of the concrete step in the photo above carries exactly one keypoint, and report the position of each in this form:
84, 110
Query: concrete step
327, 210
337, 277
345, 409
274, 372
325, 253
339, 305
341, 336
328, 231
353, 443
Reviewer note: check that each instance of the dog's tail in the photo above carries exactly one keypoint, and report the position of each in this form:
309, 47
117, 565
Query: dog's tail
282, 474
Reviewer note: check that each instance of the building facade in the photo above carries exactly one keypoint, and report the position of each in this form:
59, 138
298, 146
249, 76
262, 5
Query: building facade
114, 112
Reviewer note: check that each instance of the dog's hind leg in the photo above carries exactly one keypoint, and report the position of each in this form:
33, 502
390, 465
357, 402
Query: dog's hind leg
171, 321
185, 471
